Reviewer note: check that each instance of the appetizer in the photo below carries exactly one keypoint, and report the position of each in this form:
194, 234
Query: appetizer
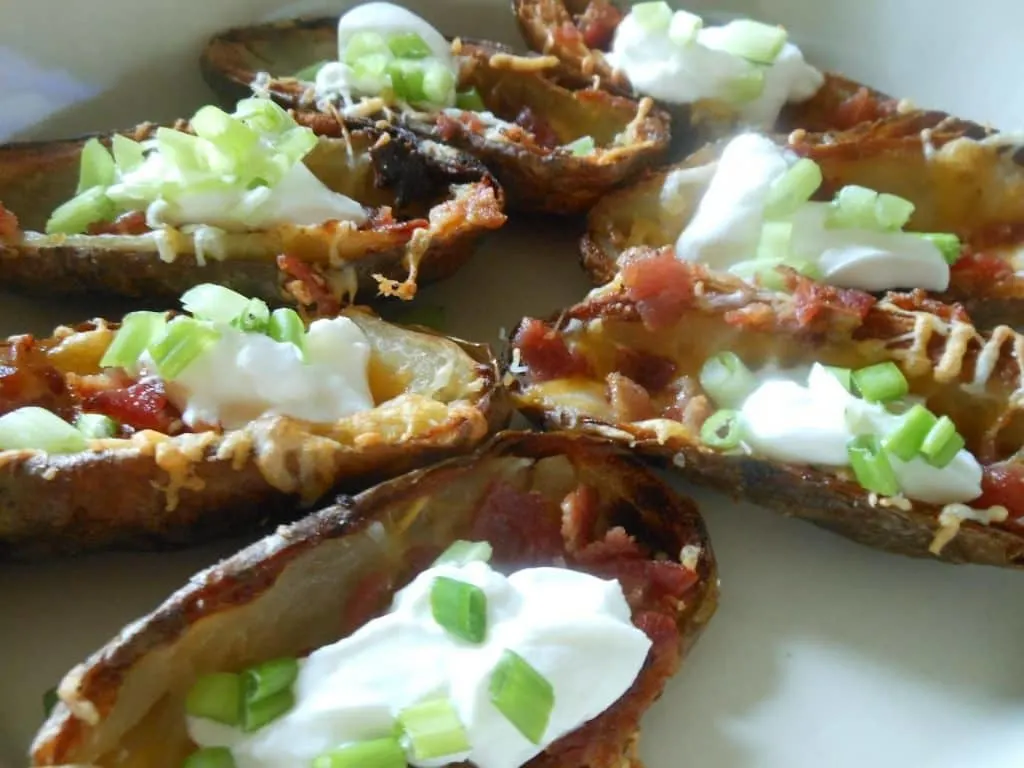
552, 149
894, 422
710, 78
456, 615
154, 211
893, 206
211, 421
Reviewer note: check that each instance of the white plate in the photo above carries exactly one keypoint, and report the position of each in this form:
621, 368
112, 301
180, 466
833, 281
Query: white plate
823, 654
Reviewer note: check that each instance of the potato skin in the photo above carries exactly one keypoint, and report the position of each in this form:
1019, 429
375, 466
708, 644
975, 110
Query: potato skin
244, 609
173, 492
417, 179
535, 177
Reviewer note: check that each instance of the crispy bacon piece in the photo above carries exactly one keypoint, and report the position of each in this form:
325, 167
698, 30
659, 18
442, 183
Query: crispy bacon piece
521, 521
650, 371
983, 268
9, 228
541, 130
579, 517
449, 127
861, 107
26, 378
545, 354
309, 287
598, 23
660, 284
816, 300
131, 223
630, 402
691, 406
141, 405
1002, 485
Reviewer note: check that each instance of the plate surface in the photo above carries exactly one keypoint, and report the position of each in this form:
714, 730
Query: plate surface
822, 653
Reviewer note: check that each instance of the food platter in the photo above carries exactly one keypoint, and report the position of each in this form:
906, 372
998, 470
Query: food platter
822, 652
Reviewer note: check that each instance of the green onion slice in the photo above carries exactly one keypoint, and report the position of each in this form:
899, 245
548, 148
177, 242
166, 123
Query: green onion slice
209, 301
184, 340
881, 383
653, 16
363, 44
227, 133
285, 326
853, 208
892, 212
942, 443
844, 375
264, 115
523, 695
255, 318
269, 678
462, 552
95, 426
438, 83
75, 216
871, 466
96, 167
949, 246
35, 428
409, 45
752, 40
683, 28
261, 712
582, 147
407, 79
459, 608
379, 753
138, 330
905, 441
745, 87
308, 74
216, 697
727, 380
128, 154
722, 430
794, 188
470, 101
434, 729
210, 757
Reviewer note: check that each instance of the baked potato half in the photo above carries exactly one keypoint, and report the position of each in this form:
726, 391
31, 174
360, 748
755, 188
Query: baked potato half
552, 149
580, 34
637, 361
423, 207
182, 479
959, 179
539, 500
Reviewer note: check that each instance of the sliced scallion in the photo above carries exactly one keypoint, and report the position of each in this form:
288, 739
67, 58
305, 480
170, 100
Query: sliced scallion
256, 714
183, 341
96, 167
470, 100
210, 757
285, 326
752, 40
774, 244
523, 695
216, 697
409, 45
881, 383
722, 430
255, 318
683, 28
652, 16
227, 133
581, 147
138, 330
871, 466
269, 678
208, 301
892, 212
462, 552
794, 188
727, 380
379, 753
433, 729
128, 154
95, 426
942, 443
407, 79
905, 441
75, 216
363, 44
853, 208
35, 428
844, 375
308, 74
438, 83
949, 245
264, 115
744, 88
459, 608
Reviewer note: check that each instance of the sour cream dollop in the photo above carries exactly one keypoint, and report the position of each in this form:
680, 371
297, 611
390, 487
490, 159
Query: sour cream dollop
786, 421
244, 376
659, 67
726, 228
573, 628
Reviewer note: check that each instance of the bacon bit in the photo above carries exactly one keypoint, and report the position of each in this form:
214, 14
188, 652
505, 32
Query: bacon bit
659, 284
982, 267
543, 134
644, 581
996, 236
544, 352
142, 405
598, 23
862, 107
1002, 485
568, 35
449, 127
369, 599
308, 287
131, 223
9, 228
691, 407
26, 378
650, 371
755, 316
919, 301
525, 525
630, 402
579, 517
813, 300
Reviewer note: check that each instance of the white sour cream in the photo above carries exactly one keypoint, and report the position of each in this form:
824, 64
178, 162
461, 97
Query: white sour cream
682, 74
726, 228
571, 627
246, 375
788, 422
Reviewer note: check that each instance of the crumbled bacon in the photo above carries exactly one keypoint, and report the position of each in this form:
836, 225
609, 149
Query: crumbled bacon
449, 127
308, 287
26, 378
650, 371
814, 300
142, 405
630, 402
598, 23
545, 354
131, 223
567, 35
861, 107
982, 267
1002, 485
691, 406
659, 284
543, 134
9, 229
579, 517
522, 522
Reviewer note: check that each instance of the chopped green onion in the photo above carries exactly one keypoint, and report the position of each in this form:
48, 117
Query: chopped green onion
844, 375
942, 443
95, 426
128, 154
853, 208
470, 101
35, 428
905, 441
582, 147
871, 466
269, 678
752, 40
183, 341
255, 318
726, 380
722, 430
261, 712
208, 301
285, 326
459, 608
892, 212
434, 729
183, 150
794, 188
308, 74
881, 383
379, 753
407, 79
96, 167
210, 757
523, 695
775, 240
138, 330
683, 28
462, 552
75, 216
363, 44
227, 133
371, 71
745, 87
50, 700
264, 115
216, 697
653, 16
438, 83
949, 246
409, 45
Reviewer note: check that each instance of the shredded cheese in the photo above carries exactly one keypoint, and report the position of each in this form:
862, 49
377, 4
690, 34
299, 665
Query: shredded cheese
953, 517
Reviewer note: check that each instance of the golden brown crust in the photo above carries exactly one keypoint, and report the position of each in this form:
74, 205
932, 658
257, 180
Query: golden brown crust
436, 397
534, 176
123, 706
973, 376
409, 184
